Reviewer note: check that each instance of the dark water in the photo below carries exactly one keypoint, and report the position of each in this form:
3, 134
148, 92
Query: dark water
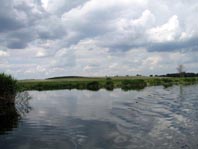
154, 118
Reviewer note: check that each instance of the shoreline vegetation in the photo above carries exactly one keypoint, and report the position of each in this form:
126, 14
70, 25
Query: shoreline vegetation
9, 86
109, 83
8, 89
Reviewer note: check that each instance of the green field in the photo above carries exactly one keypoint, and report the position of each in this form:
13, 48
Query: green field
96, 83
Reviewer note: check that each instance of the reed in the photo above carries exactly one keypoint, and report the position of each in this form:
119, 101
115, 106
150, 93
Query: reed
8, 88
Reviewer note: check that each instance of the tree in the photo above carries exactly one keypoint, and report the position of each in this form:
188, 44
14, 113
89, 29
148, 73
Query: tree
181, 70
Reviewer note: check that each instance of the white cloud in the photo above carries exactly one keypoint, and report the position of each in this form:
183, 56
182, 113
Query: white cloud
95, 17
97, 37
152, 60
3, 54
41, 54
147, 18
45, 4
166, 32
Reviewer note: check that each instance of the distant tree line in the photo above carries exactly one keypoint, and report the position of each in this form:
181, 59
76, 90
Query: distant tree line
180, 73
184, 74
66, 77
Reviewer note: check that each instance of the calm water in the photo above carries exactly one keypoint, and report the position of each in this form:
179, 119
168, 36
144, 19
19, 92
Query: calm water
154, 118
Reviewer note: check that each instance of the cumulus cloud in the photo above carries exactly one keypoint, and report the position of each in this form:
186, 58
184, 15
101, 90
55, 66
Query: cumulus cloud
166, 32
97, 37
3, 54
130, 28
59, 7
190, 44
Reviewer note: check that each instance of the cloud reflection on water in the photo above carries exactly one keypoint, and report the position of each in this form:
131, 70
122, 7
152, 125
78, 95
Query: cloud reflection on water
152, 118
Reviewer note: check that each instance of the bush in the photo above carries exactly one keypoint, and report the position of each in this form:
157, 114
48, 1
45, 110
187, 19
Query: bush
8, 87
135, 84
93, 86
109, 85
167, 80
155, 81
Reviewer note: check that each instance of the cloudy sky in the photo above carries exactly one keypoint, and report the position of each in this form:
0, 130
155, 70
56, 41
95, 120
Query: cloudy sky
45, 38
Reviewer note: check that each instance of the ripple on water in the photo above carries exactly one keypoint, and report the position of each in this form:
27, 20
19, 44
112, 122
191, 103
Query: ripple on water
149, 119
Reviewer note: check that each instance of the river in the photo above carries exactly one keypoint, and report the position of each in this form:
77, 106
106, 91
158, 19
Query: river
152, 118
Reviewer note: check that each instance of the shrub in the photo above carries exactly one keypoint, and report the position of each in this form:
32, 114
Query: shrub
167, 80
8, 87
133, 84
109, 85
93, 86
155, 81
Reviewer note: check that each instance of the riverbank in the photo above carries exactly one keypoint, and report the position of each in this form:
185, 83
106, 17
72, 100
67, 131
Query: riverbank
96, 83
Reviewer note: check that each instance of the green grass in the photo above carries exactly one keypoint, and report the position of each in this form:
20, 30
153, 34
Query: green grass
96, 83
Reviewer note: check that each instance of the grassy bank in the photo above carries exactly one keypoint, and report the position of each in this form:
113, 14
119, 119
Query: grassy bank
96, 83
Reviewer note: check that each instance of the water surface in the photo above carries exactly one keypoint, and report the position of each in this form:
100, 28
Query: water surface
153, 118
